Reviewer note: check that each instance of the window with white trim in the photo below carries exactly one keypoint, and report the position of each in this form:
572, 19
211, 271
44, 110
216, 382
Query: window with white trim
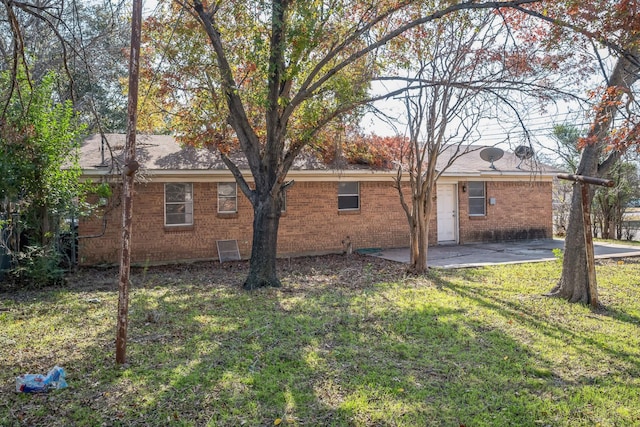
477, 198
348, 196
178, 203
227, 197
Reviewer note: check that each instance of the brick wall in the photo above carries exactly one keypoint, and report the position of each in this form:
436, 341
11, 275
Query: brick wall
311, 224
522, 211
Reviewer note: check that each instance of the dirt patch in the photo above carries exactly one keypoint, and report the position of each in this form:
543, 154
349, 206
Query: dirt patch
353, 270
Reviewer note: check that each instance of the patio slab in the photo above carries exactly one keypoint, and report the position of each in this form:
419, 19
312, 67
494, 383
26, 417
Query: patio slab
479, 254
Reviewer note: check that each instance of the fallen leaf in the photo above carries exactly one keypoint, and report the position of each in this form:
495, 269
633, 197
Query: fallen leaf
277, 421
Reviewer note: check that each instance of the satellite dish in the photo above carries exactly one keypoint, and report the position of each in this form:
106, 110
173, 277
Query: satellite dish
491, 154
523, 152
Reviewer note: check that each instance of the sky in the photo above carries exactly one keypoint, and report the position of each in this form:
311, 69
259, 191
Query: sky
505, 133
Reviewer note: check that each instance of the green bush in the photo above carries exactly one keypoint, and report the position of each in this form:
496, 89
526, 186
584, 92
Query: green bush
38, 266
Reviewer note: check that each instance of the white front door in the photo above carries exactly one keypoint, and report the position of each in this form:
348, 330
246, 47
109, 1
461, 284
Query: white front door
447, 213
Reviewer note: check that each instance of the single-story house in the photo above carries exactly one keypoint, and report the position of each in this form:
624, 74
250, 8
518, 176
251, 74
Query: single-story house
185, 201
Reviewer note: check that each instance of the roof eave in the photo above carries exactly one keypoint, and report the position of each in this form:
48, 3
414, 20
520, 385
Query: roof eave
315, 175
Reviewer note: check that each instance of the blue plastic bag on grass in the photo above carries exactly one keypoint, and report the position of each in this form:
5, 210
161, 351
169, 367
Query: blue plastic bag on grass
38, 383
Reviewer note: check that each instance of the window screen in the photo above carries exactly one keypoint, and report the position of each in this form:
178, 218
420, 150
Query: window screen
477, 199
348, 196
178, 204
227, 197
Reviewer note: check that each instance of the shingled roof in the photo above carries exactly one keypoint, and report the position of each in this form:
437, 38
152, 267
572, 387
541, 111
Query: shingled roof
161, 152
165, 153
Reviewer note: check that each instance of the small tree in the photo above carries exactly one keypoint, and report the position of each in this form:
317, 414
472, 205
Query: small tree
565, 156
459, 76
610, 204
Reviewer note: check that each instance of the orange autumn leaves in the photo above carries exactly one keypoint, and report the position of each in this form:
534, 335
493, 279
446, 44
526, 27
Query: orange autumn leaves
378, 152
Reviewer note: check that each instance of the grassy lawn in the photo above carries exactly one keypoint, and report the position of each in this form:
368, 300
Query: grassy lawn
619, 242
345, 342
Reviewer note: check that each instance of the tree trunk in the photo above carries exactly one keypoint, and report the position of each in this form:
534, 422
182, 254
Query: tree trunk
612, 227
425, 226
418, 235
617, 219
420, 261
42, 222
413, 240
262, 265
573, 284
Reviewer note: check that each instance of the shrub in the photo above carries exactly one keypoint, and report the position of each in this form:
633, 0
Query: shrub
38, 266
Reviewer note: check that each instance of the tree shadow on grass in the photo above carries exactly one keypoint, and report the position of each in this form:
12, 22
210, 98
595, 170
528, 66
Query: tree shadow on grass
380, 354
587, 340
361, 364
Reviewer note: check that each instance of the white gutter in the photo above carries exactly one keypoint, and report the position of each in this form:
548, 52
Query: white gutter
218, 175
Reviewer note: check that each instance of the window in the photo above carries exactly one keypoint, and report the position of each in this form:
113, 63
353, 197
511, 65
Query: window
227, 197
178, 204
348, 196
477, 198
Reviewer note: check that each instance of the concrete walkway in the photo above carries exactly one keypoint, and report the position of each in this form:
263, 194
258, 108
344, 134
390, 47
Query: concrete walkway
479, 254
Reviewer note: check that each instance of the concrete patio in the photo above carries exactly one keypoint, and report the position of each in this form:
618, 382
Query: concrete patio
479, 254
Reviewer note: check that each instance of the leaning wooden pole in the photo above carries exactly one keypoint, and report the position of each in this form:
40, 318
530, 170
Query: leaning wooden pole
588, 245
584, 182
128, 174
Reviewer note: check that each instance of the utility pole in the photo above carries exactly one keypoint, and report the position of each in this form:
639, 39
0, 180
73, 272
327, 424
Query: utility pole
584, 182
128, 176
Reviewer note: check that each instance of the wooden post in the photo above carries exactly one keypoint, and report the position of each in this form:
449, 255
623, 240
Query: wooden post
588, 245
586, 222
128, 176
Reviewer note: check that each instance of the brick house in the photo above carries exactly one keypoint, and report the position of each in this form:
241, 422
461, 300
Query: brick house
185, 200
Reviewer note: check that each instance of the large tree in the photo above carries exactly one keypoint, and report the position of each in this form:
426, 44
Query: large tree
605, 34
83, 43
607, 26
272, 75
574, 284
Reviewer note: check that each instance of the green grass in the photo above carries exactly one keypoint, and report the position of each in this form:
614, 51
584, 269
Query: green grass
619, 242
345, 342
